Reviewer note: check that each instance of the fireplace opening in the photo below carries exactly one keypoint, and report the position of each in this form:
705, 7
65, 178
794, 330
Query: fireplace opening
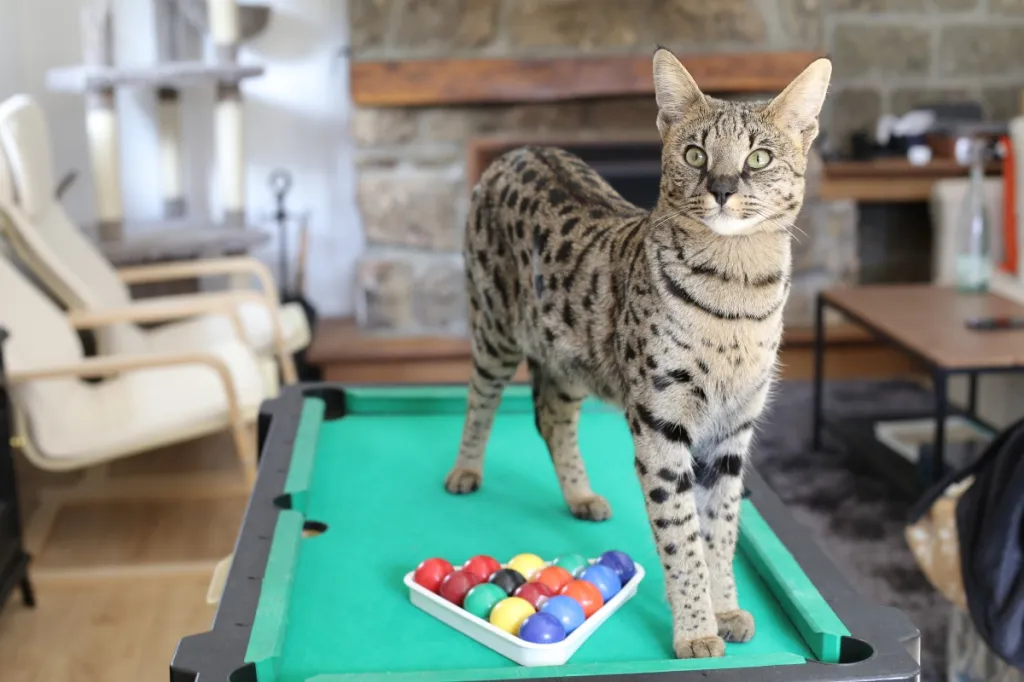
632, 168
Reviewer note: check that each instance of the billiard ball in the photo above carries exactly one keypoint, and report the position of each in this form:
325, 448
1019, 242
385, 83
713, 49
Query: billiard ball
620, 562
431, 572
586, 594
542, 628
508, 579
535, 593
509, 614
554, 577
526, 564
482, 566
604, 579
573, 563
482, 598
455, 585
567, 610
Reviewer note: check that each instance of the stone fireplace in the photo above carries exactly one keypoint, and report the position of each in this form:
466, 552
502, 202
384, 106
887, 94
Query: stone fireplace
555, 77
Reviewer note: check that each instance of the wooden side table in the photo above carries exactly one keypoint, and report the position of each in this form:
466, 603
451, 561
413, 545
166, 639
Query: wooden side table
13, 558
929, 324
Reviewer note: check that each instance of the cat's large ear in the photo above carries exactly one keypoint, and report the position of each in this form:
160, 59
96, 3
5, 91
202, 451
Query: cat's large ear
796, 108
674, 89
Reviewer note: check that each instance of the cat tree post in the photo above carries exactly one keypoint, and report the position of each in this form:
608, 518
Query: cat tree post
101, 123
168, 116
228, 129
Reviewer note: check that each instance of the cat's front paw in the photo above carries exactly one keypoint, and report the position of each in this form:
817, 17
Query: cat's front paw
593, 508
462, 481
735, 626
711, 646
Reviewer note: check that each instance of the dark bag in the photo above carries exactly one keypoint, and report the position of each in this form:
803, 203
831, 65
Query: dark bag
990, 525
990, 537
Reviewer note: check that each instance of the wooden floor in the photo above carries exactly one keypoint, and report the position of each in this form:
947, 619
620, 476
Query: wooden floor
123, 554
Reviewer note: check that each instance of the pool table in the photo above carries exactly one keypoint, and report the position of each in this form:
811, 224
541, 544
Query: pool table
349, 498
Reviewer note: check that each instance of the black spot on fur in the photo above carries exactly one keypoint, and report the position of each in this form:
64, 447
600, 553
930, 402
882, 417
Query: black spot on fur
651, 362
703, 366
568, 226
671, 431
523, 204
659, 495
729, 465
641, 469
529, 175
564, 251
513, 197
557, 196
567, 315
670, 549
540, 240
549, 336
667, 475
630, 352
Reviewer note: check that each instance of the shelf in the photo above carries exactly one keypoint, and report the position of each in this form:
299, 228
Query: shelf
439, 82
889, 179
83, 78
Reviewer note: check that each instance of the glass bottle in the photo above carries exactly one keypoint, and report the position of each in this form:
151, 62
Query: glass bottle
974, 259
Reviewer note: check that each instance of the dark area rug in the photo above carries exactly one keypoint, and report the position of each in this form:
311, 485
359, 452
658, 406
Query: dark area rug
853, 514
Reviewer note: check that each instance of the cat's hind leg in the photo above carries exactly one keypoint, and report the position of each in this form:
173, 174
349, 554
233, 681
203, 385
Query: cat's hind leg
557, 411
495, 359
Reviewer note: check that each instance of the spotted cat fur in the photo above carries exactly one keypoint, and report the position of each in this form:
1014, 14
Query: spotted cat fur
674, 314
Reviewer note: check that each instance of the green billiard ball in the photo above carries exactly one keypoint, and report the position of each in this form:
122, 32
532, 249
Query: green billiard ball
482, 598
573, 563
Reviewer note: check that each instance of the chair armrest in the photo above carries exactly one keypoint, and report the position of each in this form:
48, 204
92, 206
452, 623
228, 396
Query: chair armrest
170, 308
101, 366
164, 272
105, 366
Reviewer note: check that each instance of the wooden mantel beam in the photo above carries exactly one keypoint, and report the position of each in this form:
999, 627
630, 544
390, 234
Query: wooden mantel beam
438, 82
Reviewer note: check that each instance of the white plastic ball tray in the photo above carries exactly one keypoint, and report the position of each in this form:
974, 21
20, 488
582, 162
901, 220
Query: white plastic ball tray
528, 654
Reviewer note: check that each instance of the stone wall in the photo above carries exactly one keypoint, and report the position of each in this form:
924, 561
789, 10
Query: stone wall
889, 55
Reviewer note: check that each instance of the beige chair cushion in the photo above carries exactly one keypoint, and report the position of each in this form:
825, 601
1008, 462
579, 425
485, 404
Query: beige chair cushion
259, 331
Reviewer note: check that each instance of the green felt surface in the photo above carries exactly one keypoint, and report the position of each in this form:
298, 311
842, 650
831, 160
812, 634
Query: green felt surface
336, 610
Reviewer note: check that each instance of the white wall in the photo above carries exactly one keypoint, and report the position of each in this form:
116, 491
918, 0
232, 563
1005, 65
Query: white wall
296, 118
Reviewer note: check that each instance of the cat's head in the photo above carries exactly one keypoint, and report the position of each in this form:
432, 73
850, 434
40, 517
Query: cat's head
736, 167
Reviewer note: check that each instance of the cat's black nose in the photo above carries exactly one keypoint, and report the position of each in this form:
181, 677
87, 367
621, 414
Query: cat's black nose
722, 187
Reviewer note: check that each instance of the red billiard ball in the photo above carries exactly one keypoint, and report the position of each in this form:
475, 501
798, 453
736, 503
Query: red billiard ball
455, 586
482, 566
535, 593
431, 572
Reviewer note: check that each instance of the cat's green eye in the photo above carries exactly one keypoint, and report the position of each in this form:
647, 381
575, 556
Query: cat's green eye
695, 157
759, 158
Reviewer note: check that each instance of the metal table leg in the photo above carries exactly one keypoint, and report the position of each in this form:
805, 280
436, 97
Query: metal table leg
972, 394
931, 469
819, 368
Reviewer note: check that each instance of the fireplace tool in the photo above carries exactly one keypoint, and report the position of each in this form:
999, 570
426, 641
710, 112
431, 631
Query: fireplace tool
292, 290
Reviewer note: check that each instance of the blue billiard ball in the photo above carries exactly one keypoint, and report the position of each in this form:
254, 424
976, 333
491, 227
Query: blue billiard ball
605, 579
542, 628
567, 610
620, 562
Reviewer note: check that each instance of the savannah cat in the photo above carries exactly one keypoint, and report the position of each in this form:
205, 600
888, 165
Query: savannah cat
673, 314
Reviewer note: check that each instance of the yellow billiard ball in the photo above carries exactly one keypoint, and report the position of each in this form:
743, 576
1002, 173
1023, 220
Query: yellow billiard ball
526, 564
509, 614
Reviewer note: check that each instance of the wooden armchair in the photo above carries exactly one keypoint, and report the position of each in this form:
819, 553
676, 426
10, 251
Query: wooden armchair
144, 401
